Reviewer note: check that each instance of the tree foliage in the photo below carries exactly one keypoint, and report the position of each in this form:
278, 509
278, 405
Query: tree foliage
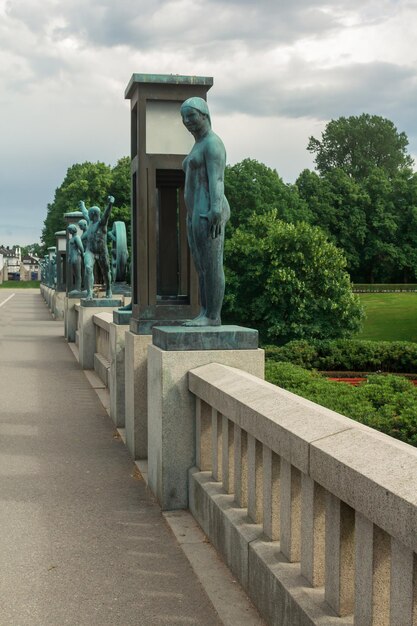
91, 182
358, 144
288, 281
253, 188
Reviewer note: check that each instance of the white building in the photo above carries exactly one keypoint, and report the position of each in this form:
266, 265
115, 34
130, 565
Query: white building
12, 259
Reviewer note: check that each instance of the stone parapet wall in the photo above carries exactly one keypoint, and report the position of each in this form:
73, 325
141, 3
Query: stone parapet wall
315, 514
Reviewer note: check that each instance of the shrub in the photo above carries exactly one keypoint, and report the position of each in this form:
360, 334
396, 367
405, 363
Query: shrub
351, 355
387, 403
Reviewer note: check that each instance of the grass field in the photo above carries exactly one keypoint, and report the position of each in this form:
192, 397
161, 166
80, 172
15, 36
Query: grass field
389, 316
20, 284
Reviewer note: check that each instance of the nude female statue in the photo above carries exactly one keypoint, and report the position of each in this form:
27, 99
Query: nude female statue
207, 209
76, 250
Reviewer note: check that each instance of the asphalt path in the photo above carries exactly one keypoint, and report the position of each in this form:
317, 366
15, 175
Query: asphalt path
82, 541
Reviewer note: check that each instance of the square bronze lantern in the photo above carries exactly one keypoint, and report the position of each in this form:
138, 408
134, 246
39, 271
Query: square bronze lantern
164, 280
61, 259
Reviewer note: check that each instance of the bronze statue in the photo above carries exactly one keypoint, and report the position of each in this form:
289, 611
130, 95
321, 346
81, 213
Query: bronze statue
75, 253
95, 244
207, 209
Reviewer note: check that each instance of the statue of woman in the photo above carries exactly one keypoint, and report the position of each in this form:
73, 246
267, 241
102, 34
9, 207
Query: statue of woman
75, 252
207, 209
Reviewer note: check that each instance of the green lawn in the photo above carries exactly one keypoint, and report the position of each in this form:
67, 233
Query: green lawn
20, 284
389, 316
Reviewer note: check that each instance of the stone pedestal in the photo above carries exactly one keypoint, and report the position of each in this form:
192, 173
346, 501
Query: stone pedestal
58, 301
70, 318
117, 374
136, 394
87, 335
171, 407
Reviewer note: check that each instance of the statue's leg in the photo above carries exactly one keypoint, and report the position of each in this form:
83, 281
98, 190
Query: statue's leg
210, 254
77, 268
89, 273
198, 266
106, 271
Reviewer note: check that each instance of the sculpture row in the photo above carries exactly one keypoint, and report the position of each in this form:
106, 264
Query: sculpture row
207, 214
89, 248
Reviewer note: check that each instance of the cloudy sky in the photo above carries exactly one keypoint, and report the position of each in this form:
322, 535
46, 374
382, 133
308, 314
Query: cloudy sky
281, 70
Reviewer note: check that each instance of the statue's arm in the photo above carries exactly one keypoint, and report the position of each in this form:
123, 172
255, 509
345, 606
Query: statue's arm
79, 244
107, 211
83, 209
215, 157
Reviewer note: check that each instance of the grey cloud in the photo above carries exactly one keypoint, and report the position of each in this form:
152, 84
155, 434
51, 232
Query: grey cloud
378, 88
168, 25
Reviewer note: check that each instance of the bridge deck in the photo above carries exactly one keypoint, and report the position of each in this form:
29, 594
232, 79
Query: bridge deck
82, 542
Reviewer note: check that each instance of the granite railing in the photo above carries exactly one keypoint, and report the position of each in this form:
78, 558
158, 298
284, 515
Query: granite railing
102, 359
315, 514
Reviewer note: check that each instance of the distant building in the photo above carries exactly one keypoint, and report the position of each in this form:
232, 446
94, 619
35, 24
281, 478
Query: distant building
2, 266
29, 268
12, 260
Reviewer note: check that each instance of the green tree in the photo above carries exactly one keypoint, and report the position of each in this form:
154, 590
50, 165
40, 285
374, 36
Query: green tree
358, 144
34, 249
91, 182
338, 204
253, 188
288, 281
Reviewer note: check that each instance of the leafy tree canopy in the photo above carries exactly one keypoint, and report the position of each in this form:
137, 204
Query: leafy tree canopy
289, 281
253, 188
357, 144
91, 182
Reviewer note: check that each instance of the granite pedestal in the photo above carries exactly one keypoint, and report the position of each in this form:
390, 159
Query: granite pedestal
136, 394
117, 374
171, 406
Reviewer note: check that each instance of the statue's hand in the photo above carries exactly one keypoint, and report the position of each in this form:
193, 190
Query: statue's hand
110, 199
81, 204
215, 224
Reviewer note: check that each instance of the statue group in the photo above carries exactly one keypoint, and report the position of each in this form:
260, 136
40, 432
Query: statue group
90, 248
207, 214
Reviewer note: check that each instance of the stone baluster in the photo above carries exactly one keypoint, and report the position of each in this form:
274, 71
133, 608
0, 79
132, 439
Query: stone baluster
271, 493
255, 480
228, 462
312, 531
290, 511
216, 445
339, 555
240, 438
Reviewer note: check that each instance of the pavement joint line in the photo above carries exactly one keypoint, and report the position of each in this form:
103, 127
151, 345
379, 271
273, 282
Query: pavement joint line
7, 299
226, 595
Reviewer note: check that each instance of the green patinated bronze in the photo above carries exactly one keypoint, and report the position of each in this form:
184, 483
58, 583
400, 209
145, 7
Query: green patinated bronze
168, 79
94, 241
175, 338
207, 209
75, 254
119, 253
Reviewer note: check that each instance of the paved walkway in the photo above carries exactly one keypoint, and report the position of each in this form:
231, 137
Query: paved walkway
81, 542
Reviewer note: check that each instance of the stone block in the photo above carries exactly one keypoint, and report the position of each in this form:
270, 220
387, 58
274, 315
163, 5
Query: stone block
87, 332
171, 415
205, 338
136, 393
373, 475
117, 374
70, 318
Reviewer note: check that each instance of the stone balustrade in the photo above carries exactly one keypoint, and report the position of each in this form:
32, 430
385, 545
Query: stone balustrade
315, 514
102, 357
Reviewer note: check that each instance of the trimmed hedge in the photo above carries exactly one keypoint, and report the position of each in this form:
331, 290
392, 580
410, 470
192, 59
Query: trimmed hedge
384, 288
387, 403
348, 355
